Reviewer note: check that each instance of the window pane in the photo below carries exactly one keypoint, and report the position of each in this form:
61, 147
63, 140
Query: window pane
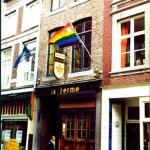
125, 28
147, 110
139, 57
146, 137
87, 59
79, 28
70, 126
51, 51
82, 134
133, 113
139, 42
125, 52
139, 24
51, 68
88, 25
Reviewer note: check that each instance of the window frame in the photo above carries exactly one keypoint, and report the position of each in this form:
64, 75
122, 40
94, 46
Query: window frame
28, 13
82, 36
9, 62
29, 61
50, 54
9, 18
59, 6
115, 65
131, 36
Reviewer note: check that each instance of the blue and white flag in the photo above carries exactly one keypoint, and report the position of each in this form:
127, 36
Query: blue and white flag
23, 56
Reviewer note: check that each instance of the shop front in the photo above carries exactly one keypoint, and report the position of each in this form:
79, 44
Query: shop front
16, 118
69, 113
126, 119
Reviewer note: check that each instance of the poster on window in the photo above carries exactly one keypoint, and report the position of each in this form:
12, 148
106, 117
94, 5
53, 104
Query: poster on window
7, 135
18, 136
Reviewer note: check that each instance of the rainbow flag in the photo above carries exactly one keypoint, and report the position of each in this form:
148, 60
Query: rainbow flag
66, 36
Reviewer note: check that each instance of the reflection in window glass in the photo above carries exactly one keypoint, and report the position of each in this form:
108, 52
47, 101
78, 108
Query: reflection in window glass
147, 110
139, 24
146, 136
81, 59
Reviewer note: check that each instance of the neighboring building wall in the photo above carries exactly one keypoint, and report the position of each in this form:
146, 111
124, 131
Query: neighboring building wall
126, 90
71, 12
115, 76
17, 92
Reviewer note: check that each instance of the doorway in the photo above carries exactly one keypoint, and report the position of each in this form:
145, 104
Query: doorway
133, 138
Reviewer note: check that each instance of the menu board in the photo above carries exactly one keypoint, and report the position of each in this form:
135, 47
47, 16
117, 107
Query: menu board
7, 135
11, 145
19, 136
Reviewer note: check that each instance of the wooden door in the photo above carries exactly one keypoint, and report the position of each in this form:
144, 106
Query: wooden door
78, 130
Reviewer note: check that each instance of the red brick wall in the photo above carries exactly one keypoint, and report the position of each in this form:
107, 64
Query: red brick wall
108, 80
107, 42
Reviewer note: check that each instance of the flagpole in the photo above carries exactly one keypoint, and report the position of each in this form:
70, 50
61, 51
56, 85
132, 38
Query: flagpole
81, 41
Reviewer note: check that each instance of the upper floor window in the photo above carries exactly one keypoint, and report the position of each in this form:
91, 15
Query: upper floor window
9, 24
81, 59
27, 67
32, 13
51, 51
56, 4
6, 67
132, 41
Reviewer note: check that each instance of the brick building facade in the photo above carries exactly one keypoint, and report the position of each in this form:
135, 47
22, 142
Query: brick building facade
75, 98
126, 90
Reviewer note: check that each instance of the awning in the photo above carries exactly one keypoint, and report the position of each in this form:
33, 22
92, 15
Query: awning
18, 96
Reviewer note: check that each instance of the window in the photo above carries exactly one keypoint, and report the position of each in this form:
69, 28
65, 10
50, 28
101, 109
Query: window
6, 67
132, 41
27, 67
56, 4
81, 59
9, 19
10, 130
51, 52
78, 126
32, 9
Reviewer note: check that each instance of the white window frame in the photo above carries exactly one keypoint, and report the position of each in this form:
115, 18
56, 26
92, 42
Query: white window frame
116, 57
9, 19
7, 71
31, 15
57, 4
24, 68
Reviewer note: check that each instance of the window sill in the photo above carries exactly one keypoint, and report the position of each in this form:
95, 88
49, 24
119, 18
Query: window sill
82, 73
130, 71
78, 3
57, 11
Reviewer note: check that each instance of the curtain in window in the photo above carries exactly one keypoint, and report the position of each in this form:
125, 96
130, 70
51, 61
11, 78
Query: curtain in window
124, 31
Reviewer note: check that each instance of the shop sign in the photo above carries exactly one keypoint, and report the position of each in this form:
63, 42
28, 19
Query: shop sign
59, 65
7, 135
65, 90
59, 69
18, 136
